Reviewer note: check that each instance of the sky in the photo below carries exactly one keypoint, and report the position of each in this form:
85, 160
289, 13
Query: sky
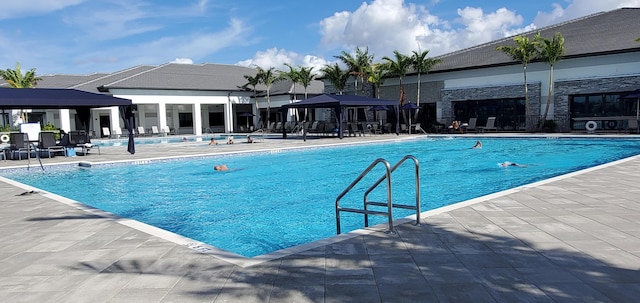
102, 36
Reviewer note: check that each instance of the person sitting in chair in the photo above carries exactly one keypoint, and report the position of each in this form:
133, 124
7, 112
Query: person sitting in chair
455, 125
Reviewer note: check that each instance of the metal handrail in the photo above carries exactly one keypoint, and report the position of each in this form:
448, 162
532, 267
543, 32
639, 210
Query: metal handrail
375, 185
389, 204
366, 212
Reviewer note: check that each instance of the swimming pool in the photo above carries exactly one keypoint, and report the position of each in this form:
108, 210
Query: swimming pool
278, 199
123, 141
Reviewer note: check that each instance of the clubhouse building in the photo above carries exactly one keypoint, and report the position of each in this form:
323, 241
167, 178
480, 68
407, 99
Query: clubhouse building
601, 66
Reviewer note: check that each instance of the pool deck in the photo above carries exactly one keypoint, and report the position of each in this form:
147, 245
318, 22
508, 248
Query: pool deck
574, 238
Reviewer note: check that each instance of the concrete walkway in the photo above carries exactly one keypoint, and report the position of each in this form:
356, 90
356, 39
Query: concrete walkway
574, 238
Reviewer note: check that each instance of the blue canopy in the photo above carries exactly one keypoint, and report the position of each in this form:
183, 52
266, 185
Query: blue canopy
61, 98
339, 103
328, 101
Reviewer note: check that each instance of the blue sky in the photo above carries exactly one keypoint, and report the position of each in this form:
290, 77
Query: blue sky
87, 36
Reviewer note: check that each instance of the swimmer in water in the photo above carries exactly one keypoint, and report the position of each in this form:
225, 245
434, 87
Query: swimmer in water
220, 167
478, 144
507, 164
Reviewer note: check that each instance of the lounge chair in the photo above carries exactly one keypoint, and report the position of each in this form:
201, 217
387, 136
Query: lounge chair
141, 131
403, 128
632, 126
79, 139
418, 128
20, 146
376, 129
491, 125
117, 133
471, 125
154, 131
353, 129
313, 128
166, 130
47, 143
106, 132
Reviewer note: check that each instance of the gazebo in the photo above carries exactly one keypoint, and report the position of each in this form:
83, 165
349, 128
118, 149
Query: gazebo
81, 101
339, 103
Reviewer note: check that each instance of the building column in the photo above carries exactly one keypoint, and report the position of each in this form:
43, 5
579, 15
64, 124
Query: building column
197, 119
65, 120
226, 110
162, 115
114, 117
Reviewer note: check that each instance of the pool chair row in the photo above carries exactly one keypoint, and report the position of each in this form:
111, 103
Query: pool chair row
20, 147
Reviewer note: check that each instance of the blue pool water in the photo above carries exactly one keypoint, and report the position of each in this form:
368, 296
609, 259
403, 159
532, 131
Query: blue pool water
270, 201
155, 140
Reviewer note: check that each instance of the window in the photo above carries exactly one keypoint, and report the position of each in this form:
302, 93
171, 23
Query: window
509, 113
185, 119
598, 105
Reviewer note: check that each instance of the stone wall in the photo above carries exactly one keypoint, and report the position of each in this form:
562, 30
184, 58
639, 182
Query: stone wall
564, 89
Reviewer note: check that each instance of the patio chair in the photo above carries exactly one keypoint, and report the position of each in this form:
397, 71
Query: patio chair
78, 138
403, 128
313, 128
141, 131
106, 132
166, 130
47, 144
376, 129
353, 129
632, 126
20, 146
491, 125
418, 128
117, 133
154, 131
471, 125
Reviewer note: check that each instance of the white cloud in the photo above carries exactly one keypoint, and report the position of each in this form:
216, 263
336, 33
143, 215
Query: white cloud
580, 8
388, 25
182, 61
19, 9
277, 58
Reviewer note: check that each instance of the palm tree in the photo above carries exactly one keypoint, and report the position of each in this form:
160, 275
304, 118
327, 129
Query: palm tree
524, 52
268, 77
550, 51
292, 75
398, 68
336, 76
422, 65
358, 65
377, 72
306, 76
16, 79
253, 81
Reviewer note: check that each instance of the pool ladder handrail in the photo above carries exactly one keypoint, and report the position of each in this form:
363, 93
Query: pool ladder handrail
389, 204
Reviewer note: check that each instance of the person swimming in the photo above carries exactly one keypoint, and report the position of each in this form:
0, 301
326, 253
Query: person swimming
507, 164
478, 144
220, 167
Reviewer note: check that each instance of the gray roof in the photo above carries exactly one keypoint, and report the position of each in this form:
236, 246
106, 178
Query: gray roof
285, 87
601, 33
174, 76
88, 83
